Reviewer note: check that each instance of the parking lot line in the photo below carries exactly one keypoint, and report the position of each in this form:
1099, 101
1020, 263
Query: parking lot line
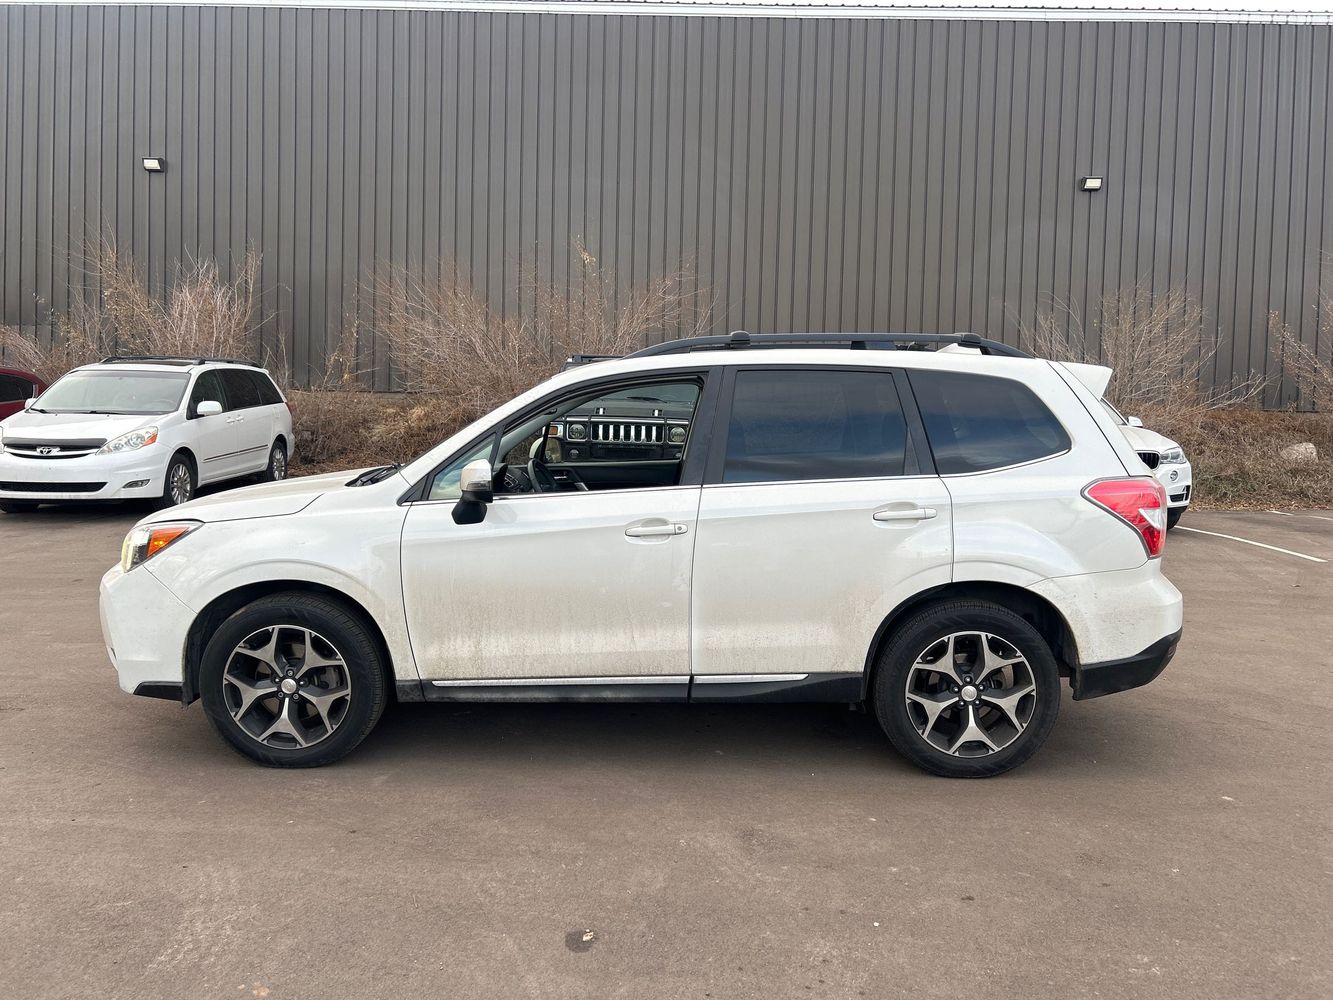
1247, 541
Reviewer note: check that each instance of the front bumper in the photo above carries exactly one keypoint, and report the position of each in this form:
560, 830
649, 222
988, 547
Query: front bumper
145, 628
92, 477
1178, 481
1092, 680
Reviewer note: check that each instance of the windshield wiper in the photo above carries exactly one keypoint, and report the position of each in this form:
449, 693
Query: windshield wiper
372, 476
37, 409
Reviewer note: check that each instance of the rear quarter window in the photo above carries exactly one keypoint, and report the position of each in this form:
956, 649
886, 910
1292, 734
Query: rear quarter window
980, 422
268, 392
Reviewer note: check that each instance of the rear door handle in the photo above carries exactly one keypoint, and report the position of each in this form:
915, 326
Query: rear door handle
910, 514
657, 529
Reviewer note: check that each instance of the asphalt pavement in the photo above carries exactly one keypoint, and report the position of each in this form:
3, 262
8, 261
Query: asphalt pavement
1174, 841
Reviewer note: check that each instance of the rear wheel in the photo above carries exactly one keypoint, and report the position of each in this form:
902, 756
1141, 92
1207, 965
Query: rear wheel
967, 689
276, 470
1173, 516
18, 506
180, 482
293, 680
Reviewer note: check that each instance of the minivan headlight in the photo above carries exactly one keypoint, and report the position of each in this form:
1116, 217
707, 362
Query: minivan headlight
1173, 456
147, 540
132, 441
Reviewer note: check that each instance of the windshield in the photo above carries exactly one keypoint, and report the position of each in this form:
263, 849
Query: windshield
101, 391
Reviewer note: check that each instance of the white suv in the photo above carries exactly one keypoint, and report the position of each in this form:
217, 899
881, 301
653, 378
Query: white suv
940, 536
144, 428
1164, 458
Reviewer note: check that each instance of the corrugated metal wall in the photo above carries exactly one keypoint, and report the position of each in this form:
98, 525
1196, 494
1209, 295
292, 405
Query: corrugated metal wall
883, 174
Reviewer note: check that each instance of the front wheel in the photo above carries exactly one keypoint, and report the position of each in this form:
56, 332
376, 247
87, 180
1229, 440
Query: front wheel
1173, 516
293, 680
180, 483
967, 689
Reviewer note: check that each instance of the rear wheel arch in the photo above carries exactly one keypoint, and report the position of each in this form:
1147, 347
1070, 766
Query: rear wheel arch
225, 605
1044, 616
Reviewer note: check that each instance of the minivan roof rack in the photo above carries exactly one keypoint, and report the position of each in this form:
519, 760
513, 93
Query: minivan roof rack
163, 359
743, 340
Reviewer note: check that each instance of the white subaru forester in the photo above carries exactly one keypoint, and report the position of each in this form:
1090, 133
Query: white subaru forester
846, 518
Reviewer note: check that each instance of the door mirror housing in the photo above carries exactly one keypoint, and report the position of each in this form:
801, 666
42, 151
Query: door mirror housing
1134, 421
477, 483
208, 408
31, 401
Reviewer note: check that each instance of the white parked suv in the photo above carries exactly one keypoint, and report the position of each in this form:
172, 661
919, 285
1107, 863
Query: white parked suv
144, 428
1166, 460
942, 537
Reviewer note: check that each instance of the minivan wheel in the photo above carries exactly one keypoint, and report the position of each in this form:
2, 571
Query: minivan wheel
276, 471
293, 680
967, 689
180, 483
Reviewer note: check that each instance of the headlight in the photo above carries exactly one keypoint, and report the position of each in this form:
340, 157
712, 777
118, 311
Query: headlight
147, 540
577, 432
676, 435
1173, 456
132, 441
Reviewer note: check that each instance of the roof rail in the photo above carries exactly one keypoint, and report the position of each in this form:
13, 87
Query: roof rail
742, 340
575, 360
172, 360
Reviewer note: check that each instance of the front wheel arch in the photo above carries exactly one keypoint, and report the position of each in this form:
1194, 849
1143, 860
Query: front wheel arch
1044, 616
225, 605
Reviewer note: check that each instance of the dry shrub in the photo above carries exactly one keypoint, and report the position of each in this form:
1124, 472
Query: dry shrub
1154, 342
200, 315
445, 339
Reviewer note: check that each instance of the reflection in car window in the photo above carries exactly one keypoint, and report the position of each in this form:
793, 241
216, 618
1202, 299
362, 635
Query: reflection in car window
801, 425
981, 422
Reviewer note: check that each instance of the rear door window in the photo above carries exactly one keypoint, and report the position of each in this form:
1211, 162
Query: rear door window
809, 424
241, 390
980, 422
268, 392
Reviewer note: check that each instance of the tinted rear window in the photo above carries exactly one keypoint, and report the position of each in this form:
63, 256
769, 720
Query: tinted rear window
241, 390
803, 425
980, 422
268, 392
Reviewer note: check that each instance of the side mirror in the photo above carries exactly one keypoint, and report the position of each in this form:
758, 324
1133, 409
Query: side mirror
476, 482
1134, 421
208, 408
30, 403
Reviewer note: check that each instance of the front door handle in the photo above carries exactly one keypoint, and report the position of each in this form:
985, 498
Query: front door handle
909, 514
656, 529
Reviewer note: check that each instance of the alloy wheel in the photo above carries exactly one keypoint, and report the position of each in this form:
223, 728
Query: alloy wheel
970, 694
182, 488
286, 686
277, 464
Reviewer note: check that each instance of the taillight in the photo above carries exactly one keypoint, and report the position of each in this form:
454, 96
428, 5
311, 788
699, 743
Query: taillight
1139, 502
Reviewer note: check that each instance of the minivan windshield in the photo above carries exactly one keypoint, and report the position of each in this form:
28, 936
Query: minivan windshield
102, 391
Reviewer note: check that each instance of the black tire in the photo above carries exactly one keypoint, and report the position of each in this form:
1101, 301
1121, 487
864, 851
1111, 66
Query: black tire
894, 670
350, 637
18, 506
276, 470
177, 483
1173, 516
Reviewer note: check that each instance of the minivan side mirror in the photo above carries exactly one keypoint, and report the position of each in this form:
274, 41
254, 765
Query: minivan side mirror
476, 481
208, 408
1134, 421
30, 403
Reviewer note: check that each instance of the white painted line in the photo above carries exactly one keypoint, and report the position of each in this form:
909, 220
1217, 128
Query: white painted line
1246, 541
1319, 518
1282, 512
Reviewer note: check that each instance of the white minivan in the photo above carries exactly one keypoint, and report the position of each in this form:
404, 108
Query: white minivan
144, 428
947, 538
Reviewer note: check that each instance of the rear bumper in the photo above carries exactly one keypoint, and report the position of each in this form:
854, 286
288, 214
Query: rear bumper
1092, 680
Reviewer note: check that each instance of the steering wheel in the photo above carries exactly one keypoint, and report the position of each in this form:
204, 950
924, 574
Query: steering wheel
543, 482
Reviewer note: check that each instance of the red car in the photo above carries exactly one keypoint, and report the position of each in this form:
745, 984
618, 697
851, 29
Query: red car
16, 388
